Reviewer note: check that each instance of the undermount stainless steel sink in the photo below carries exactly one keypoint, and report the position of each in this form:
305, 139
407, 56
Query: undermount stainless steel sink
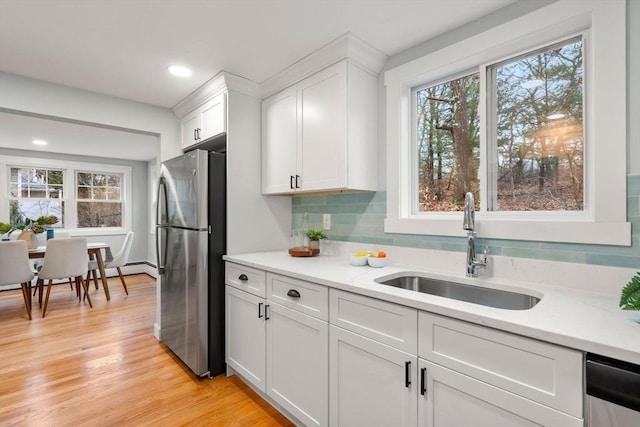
470, 293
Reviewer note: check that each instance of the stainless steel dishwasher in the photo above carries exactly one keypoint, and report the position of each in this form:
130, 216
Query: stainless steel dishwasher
613, 392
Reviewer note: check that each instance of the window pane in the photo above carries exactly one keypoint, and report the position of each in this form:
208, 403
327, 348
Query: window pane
21, 209
114, 181
99, 193
99, 214
99, 180
113, 194
539, 127
448, 152
84, 192
84, 178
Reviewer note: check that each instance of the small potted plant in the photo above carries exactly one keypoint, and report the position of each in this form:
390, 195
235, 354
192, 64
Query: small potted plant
31, 227
5, 229
314, 237
630, 297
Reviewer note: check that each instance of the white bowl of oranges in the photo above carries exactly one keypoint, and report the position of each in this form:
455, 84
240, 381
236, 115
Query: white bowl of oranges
377, 260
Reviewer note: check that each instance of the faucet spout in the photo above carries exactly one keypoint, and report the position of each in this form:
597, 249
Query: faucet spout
468, 224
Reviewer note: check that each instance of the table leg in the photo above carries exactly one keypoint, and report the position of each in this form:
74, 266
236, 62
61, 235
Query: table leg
103, 275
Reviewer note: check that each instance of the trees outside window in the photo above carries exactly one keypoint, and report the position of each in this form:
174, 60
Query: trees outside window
536, 145
99, 199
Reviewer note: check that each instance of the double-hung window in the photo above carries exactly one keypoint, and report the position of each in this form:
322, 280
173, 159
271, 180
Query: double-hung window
531, 121
95, 198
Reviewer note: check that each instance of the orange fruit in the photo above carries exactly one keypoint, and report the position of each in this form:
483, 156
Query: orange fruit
381, 254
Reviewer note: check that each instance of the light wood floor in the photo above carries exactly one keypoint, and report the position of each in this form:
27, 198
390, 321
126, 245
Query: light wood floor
102, 367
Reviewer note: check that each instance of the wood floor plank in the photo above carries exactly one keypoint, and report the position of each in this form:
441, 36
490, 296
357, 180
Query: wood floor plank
102, 367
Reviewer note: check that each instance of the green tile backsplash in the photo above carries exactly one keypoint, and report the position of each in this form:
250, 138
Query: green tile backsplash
359, 217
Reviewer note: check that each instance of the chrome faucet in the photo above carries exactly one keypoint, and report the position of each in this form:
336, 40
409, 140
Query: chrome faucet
469, 224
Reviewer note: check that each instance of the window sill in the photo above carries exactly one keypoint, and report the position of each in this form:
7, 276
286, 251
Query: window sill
560, 230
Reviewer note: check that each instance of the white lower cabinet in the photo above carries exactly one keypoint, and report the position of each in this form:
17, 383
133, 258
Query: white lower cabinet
334, 358
245, 335
277, 347
449, 399
371, 384
297, 364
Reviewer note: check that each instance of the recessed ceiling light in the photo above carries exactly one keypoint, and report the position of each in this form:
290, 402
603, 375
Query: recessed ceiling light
179, 71
39, 142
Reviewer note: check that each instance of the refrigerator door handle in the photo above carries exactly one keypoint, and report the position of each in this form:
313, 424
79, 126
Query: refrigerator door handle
161, 257
161, 201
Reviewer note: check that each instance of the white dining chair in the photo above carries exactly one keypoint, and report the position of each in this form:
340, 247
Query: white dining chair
64, 258
15, 268
119, 259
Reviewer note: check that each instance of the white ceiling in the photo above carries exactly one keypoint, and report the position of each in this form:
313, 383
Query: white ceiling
122, 48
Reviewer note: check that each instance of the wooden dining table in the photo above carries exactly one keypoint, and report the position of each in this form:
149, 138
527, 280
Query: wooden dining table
95, 252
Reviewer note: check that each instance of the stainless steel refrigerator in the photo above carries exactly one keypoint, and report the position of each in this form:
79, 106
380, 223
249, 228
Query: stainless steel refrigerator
190, 243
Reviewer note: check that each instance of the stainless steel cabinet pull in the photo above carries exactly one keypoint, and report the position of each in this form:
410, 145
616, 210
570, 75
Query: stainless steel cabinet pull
243, 277
423, 383
291, 181
297, 179
293, 293
266, 315
407, 376
260, 310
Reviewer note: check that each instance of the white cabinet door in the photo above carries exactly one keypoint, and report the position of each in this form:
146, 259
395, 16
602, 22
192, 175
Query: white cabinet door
190, 125
279, 142
322, 127
371, 384
298, 363
213, 117
451, 399
245, 340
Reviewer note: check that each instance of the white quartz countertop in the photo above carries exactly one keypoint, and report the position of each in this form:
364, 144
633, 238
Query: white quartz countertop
587, 321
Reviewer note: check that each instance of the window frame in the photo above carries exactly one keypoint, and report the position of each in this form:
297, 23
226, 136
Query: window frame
69, 188
603, 221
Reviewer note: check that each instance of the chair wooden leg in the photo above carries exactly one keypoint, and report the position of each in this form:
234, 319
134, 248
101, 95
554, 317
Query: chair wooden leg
124, 285
85, 286
46, 298
70, 283
26, 294
95, 278
39, 288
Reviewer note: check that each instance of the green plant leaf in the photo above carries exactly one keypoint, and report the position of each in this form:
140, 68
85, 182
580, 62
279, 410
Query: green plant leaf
630, 297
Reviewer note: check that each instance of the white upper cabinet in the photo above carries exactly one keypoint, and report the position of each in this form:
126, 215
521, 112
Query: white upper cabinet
279, 142
321, 134
204, 122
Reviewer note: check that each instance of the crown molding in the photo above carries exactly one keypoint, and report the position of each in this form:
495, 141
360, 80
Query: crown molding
347, 47
221, 82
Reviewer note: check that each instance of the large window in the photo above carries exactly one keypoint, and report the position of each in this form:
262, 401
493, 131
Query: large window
535, 113
530, 120
84, 196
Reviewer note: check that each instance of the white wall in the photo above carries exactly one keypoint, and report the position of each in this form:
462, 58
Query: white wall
22, 94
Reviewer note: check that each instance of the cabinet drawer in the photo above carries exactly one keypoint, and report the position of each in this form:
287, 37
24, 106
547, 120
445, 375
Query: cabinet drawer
305, 297
545, 373
385, 322
246, 278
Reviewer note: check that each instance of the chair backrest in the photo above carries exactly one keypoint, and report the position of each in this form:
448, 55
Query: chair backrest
14, 263
122, 256
65, 258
